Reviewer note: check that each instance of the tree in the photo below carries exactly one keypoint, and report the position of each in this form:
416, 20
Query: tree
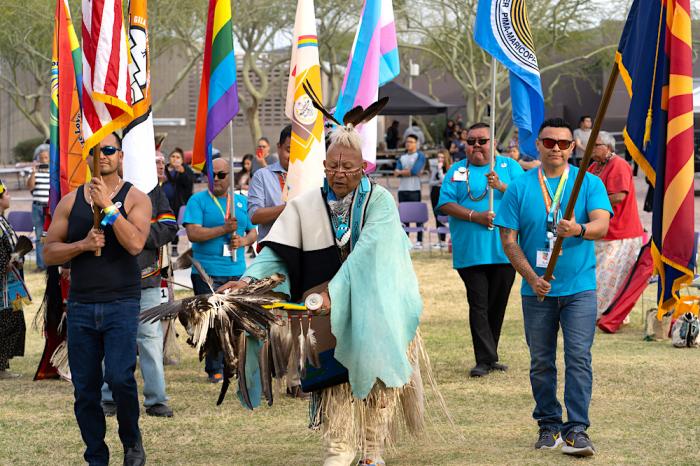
177, 26
337, 21
25, 58
261, 25
441, 33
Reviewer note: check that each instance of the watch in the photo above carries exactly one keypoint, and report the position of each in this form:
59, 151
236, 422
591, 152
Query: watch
247, 280
583, 231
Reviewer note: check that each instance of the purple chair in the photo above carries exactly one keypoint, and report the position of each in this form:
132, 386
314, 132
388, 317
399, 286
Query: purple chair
21, 221
444, 230
414, 212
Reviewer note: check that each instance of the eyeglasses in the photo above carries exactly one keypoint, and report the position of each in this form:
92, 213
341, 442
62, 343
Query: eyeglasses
221, 175
563, 144
106, 150
481, 141
347, 173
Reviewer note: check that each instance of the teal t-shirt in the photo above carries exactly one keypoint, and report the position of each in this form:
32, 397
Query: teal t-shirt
523, 209
472, 243
202, 210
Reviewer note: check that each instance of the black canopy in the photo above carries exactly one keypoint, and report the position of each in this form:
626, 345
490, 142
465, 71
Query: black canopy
404, 101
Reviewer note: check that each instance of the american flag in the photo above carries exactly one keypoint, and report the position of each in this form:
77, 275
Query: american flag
106, 88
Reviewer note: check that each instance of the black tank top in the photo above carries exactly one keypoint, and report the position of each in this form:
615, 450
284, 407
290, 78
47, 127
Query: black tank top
113, 275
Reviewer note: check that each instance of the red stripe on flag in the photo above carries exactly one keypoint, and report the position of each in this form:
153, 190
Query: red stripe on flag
112, 75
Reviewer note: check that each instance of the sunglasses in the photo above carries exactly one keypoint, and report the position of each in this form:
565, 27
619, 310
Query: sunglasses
221, 175
106, 150
481, 141
563, 144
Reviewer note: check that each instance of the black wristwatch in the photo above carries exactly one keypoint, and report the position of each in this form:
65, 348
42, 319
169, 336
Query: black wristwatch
583, 231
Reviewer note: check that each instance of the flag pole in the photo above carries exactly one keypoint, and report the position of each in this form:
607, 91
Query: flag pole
492, 125
231, 187
569, 212
96, 210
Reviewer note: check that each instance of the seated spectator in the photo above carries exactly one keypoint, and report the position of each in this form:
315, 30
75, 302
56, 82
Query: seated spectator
243, 177
458, 148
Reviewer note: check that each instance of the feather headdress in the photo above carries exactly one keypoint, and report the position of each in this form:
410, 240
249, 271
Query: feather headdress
354, 117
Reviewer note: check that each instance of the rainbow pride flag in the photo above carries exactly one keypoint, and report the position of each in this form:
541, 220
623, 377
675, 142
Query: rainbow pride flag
218, 92
67, 168
374, 61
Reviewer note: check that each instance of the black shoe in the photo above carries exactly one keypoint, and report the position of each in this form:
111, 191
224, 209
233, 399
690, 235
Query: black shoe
548, 439
480, 370
159, 410
173, 252
135, 456
577, 443
497, 366
109, 408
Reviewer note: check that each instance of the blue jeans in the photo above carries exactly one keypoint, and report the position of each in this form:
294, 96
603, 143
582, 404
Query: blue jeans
576, 314
38, 222
212, 364
95, 332
149, 341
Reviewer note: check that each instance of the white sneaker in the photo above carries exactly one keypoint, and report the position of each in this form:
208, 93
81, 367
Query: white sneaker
436, 246
418, 246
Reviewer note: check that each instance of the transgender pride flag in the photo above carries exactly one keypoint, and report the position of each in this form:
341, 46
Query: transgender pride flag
218, 93
374, 61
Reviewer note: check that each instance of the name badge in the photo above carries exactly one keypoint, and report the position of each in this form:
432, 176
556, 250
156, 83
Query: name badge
227, 251
543, 256
460, 174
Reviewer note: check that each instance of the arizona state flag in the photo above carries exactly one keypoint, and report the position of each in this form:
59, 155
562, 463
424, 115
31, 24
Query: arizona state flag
655, 62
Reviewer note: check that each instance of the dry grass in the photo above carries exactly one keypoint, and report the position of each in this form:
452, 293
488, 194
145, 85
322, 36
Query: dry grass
644, 408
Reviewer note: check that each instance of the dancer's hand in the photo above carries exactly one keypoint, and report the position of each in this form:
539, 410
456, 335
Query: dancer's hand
232, 285
94, 240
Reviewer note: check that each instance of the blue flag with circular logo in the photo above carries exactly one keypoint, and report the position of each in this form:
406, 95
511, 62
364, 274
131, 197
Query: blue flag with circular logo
502, 29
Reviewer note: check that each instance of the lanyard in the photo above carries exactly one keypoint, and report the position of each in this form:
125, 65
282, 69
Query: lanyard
553, 202
227, 213
282, 178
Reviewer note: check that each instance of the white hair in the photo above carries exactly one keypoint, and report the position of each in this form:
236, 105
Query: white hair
608, 139
343, 136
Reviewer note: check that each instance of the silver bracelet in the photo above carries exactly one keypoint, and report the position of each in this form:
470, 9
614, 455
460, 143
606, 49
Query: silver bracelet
471, 211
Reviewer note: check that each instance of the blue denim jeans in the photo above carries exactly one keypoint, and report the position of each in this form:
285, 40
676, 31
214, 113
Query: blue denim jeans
38, 223
212, 364
149, 341
95, 332
576, 314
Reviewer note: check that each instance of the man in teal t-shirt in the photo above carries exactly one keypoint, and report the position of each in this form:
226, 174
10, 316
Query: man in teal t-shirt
531, 213
219, 228
477, 254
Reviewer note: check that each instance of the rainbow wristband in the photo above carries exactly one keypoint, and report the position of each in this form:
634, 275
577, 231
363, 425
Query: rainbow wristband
111, 213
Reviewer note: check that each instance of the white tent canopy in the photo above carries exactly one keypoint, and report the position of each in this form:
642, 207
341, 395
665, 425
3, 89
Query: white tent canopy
696, 95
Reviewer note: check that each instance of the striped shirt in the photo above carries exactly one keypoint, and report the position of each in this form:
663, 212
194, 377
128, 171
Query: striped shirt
40, 193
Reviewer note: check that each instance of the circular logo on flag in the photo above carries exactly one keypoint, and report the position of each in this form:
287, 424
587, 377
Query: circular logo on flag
304, 110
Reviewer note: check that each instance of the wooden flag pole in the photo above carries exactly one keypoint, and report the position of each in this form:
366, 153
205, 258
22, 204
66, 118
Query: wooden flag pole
231, 187
569, 212
96, 214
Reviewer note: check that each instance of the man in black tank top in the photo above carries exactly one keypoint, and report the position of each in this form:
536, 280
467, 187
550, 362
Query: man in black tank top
103, 302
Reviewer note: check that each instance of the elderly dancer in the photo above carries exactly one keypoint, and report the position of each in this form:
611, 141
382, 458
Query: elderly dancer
617, 251
345, 242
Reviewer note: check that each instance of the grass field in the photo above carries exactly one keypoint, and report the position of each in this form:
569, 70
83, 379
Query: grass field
644, 408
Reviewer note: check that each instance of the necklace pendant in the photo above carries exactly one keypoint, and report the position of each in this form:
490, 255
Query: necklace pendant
341, 230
